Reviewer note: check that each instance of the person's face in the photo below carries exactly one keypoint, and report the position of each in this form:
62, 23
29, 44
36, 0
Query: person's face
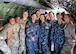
25, 15
66, 19
12, 21
34, 17
17, 19
51, 16
38, 13
42, 18
59, 17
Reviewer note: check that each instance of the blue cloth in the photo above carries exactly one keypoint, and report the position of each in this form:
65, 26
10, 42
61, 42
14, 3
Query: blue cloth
43, 37
32, 31
57, 36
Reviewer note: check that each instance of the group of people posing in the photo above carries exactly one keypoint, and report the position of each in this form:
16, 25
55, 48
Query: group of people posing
38, 33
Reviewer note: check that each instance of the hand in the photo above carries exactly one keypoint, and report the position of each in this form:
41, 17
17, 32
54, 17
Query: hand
33, 39
43, 43
52, 42
73, 37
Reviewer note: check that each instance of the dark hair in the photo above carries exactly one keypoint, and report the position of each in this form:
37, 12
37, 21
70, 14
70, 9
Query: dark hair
36, 11
16, 16
8, 19
33, 14
25, 11
70, 17
51, 12
67, 15
58, 13
42, 14
45, 12
44, 17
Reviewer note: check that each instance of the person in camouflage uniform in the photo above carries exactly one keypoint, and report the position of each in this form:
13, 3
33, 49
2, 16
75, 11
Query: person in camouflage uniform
17, 26
3, 46
14, 42
69, 30
57, 34
12, 35
43, 35
13, 38
32, 33
23, 21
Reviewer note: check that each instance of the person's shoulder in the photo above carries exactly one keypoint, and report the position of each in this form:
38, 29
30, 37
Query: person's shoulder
55, 21
28, 23
46, 23
16, 25
21, 19
71, 25
63, 22
6, 28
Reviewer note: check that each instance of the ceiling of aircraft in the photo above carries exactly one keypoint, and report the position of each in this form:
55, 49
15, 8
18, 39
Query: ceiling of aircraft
68, 5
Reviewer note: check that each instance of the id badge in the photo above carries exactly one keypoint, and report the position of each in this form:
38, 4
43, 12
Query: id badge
52, 46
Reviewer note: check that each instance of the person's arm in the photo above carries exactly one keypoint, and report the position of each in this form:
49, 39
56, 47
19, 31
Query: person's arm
74, 37
9, 34
72, 32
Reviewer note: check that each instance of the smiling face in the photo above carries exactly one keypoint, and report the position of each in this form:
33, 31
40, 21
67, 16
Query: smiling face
42, 18
38, 13
66, 19
25, 14
51, 16
34, 17
12, 21
59, 16
17, 19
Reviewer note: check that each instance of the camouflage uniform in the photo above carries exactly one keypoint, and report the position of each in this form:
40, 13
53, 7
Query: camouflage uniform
22, 34
32, 31
14, 42
43, 37
3, 46
57, 36
3, 37
69, 42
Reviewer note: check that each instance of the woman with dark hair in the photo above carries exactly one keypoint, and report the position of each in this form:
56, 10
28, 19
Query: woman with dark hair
11, 32
70, 37
32, 33
17, 27
13, 37
57, 35
6, 33
38, 14
43, 35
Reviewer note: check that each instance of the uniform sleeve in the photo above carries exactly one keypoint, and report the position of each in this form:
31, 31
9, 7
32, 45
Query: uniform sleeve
28, 33
36, 35
45, 39
72, 30
46, 33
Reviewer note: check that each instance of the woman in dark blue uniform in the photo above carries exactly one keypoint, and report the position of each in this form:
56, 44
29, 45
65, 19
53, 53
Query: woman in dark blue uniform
32, 33
57, 34
43, 35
